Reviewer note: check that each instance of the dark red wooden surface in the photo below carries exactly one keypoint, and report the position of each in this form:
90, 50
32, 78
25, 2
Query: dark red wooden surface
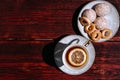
29, 30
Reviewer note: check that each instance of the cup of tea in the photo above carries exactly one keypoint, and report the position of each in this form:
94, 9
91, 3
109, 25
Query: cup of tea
75, 56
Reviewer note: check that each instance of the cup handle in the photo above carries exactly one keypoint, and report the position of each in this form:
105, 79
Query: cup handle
74, 40
87, 43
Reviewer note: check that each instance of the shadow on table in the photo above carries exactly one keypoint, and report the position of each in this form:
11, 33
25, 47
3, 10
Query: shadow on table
48, 52
75, 18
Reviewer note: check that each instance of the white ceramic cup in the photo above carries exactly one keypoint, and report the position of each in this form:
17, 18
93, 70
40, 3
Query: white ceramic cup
66, 52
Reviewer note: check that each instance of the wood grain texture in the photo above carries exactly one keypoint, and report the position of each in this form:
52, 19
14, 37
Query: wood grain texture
40, 19
33, 60
29, 31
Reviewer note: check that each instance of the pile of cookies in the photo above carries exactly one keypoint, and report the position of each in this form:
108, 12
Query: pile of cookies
95, 23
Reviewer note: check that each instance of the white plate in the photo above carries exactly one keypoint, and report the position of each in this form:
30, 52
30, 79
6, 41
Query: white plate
60, 47
112, 18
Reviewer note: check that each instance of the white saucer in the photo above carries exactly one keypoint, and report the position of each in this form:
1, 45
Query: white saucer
63, 43
112, 19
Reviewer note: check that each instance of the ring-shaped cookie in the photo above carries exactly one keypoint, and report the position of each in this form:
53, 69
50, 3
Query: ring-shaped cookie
96, 35
84, 21
106, 33
89, 29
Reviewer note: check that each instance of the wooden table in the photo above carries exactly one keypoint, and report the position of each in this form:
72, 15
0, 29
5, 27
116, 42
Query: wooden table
29, 31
